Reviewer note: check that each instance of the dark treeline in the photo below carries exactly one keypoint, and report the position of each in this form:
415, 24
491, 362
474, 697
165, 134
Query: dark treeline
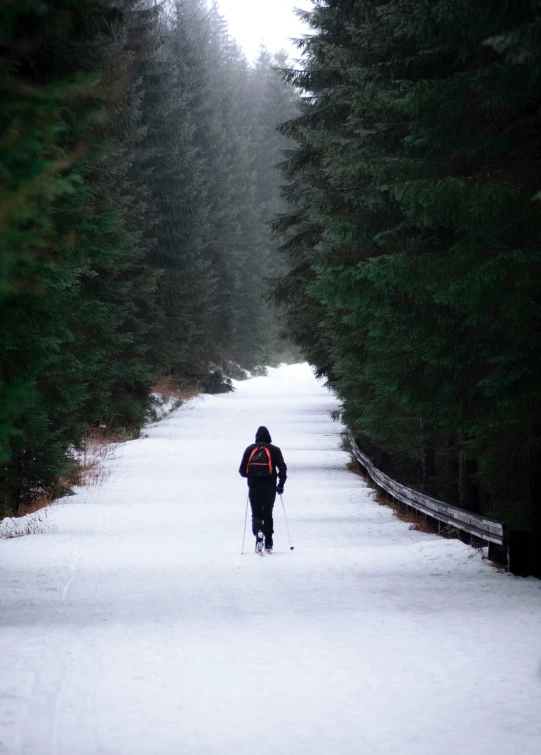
415, 241
136, 154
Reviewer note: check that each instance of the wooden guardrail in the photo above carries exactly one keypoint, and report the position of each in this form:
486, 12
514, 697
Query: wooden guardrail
489, 530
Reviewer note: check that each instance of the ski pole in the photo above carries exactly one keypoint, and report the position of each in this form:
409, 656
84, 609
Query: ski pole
291, 547
245, 521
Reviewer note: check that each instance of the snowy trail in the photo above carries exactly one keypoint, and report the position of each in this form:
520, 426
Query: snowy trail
135, 627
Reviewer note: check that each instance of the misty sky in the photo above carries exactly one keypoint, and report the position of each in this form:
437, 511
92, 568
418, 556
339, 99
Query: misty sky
272, 22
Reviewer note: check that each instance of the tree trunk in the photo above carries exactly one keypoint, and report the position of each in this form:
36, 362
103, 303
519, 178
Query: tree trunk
463, 480
468, 493
534, 501
451, 473
428, 463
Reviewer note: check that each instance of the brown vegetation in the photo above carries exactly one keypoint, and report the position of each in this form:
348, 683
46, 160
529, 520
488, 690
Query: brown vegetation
98, 448
416, 519
40, 502
170, 387
89, 470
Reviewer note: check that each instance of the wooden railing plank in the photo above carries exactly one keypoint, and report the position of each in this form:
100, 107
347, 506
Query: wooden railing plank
489, 530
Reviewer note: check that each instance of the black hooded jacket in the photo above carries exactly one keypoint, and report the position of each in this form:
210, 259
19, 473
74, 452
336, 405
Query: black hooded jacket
279, 469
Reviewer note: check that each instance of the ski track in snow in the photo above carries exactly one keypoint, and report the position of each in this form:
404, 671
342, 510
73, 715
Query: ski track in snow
136, 627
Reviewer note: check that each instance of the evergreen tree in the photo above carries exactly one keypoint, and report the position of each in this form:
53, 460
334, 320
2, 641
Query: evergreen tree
52, 100
132, 221
171, 169
417, 164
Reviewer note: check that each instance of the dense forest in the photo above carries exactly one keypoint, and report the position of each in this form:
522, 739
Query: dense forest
137, 153
415, 241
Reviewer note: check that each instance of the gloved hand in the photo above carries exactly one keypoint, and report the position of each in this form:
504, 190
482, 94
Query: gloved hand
280, 489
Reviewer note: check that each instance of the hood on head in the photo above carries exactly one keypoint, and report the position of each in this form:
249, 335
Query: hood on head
262, 435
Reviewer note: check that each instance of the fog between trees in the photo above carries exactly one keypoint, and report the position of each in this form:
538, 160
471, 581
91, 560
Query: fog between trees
137, 150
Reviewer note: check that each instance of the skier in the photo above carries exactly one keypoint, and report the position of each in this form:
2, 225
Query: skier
263, 464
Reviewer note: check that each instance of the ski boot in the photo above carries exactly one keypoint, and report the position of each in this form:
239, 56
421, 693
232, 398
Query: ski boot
259, 543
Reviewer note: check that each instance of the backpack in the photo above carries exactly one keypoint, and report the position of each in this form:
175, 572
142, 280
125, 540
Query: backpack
259, 463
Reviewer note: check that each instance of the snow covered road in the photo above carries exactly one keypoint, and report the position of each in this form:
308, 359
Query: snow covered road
133, 626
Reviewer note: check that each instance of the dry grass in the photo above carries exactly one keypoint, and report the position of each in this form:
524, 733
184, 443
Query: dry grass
99, 447
91, 469
355, 468
168, 387
500, 568
36, 504
416, 519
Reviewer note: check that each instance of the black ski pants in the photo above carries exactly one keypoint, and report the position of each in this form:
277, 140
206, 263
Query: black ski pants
262, 499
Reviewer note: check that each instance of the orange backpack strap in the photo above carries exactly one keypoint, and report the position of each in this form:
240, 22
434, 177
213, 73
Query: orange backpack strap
256, 449
251, 456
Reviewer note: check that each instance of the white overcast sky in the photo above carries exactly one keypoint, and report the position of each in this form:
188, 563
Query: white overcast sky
271, 22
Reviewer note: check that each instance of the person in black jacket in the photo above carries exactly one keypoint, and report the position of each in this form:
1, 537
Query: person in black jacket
264, 466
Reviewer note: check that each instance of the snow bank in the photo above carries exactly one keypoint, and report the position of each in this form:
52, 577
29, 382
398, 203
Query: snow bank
137, 628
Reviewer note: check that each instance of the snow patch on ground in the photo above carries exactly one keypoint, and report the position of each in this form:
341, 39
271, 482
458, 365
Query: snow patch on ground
31, 524
162, 406
137, 627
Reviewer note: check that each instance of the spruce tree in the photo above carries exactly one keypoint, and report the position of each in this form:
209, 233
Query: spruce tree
132, 221
416, 166
72, 341
51, 102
